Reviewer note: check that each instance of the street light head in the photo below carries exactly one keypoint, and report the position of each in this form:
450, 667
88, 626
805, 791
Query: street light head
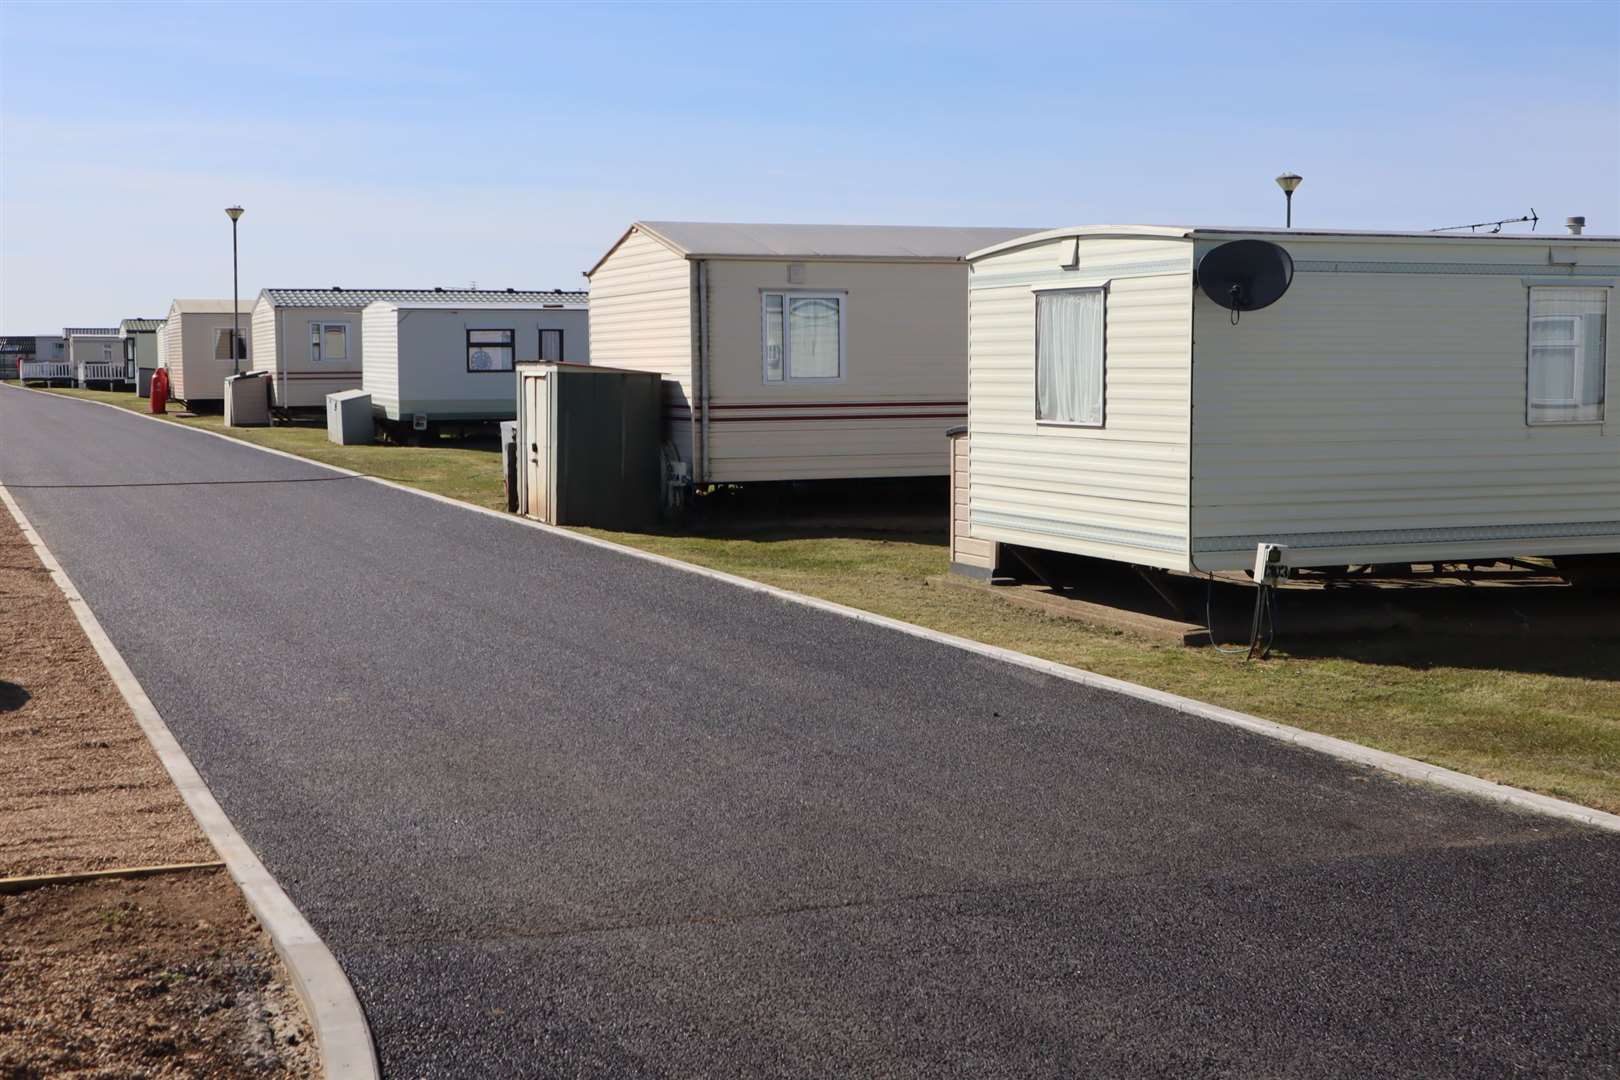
1289, 181
234, 212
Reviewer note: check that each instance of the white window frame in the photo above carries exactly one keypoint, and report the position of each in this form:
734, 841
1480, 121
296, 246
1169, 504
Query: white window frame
787, 361
317, 331
1577, 373
1035, 405
107, 353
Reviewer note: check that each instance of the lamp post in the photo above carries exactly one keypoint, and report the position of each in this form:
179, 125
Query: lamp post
1288, 182
234, 212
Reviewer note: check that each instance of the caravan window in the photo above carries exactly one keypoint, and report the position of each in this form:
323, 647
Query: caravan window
328, 341
489, 350
222, 346
1069, 356
1568, 333
803, 336
106, 353
551, 345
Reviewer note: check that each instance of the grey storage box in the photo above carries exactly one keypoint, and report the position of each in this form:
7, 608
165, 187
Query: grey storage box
247, 400
348, 418
143, 382
588, 445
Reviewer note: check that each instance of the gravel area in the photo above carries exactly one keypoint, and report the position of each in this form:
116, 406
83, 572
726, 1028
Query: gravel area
156, 977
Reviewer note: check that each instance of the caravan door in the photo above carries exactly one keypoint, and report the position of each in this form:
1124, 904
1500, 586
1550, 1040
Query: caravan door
537, 411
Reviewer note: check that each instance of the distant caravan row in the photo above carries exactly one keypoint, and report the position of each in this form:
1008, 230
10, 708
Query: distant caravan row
1174, 398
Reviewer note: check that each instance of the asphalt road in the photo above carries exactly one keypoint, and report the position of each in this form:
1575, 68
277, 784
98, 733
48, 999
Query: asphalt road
561, 812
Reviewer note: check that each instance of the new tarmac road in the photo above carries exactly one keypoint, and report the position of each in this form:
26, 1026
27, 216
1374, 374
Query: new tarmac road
562, 812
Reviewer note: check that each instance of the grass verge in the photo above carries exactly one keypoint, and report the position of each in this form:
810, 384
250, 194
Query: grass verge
1538, 714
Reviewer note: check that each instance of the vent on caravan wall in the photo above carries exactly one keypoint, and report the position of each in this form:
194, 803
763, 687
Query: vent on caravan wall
1245, 275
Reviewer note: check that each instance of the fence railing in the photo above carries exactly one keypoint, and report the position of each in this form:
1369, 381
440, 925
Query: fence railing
45, 369
102, 373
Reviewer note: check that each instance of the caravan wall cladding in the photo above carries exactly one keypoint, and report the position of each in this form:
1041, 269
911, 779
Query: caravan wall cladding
1380, 412
458, 362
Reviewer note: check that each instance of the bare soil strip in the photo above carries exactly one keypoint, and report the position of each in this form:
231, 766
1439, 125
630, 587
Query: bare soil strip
147, 977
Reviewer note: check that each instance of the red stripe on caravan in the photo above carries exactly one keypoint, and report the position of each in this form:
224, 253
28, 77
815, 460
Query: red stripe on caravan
842, 405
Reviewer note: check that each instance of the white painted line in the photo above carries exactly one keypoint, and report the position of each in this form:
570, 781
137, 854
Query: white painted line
341, 1033
1409, 768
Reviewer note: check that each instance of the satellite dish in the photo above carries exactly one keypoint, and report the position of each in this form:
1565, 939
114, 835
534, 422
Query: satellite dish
1245, 275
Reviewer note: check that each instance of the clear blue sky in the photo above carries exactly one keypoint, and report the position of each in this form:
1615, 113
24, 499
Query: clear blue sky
416, 144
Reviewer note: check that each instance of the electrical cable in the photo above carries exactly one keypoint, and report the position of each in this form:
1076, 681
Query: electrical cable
1209, 620
1263, 623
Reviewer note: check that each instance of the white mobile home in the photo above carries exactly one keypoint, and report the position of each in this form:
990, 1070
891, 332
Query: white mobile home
197, 350
139, 339
96, 355
425, 362
793, 352
312, 343
1409, 398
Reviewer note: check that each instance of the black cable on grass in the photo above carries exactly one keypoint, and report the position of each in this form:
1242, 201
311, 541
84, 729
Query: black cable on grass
1263, 622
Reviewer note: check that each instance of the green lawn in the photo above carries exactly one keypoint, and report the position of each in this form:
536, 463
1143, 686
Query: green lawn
1543, 715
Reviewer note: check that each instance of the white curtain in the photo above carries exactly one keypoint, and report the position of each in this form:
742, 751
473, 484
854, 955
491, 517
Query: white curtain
1567, 331
813, 337
1069, 356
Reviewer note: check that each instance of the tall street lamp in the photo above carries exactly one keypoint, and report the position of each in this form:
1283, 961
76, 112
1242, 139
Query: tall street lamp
1288, 182
234, 212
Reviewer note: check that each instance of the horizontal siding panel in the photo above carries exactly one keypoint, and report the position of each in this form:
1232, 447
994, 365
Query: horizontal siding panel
1377, 402
1129, 475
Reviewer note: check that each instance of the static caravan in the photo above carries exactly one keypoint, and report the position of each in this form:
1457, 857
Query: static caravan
312, 342
793, 352
43, 358
197, 350
96, 355
139, 342
1407, 398
427, 362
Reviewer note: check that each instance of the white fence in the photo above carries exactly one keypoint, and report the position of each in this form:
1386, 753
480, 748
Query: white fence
89, 373
45, 369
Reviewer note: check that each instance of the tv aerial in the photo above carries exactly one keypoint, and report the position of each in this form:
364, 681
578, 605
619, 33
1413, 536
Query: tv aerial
1494, 226
1245, 275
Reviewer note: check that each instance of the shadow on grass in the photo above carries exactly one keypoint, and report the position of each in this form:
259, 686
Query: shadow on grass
911, 509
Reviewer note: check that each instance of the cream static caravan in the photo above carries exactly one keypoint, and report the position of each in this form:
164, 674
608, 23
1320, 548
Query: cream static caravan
197, 350
1409, 398
793, 352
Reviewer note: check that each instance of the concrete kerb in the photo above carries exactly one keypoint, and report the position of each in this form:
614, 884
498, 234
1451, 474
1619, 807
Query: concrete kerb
1408, 768
341, 1033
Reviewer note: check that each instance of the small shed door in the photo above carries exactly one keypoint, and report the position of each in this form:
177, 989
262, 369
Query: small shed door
538, 452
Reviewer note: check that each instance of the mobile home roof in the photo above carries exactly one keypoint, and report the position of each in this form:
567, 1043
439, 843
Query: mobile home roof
737, 240
336, 296
187, 307
1190, 232
83, 331
566, 301
140, 324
